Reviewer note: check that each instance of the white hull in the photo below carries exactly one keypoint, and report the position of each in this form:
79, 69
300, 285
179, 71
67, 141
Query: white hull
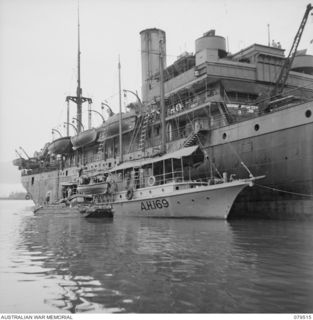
213, 201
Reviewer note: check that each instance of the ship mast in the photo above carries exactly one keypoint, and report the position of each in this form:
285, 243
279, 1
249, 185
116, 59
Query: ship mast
162, 102
120, 109
79, 89
78, 99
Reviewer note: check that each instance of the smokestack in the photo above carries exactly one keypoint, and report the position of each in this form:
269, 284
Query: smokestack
150, 58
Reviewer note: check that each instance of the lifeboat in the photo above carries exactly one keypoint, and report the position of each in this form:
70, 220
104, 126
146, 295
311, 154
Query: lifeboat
31, 163
303, 63
19, 162
111, 126
92, 185
93, 188
84, 138
62, 145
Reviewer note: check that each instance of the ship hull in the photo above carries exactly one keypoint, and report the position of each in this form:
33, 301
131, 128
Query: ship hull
213, 202
281, 148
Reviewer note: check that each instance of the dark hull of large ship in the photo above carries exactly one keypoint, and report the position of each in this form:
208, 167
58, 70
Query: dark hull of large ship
286, 158
278, 145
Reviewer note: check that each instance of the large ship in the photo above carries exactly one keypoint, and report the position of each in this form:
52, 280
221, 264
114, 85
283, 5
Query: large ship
250, 111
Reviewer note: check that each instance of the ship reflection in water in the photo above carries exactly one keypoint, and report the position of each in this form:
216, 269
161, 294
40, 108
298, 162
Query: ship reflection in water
63, 263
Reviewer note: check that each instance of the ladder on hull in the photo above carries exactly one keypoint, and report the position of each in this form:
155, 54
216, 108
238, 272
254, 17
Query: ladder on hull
192, 139
143, 131
140, 130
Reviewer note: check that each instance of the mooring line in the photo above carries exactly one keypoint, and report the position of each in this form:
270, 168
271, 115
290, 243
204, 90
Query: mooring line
284, 191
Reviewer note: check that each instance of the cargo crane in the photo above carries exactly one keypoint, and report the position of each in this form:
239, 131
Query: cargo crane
284, 72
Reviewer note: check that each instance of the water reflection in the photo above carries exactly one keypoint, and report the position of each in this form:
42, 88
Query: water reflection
279, 263
63, 263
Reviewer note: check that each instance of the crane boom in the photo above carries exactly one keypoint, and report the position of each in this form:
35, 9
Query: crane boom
283, 75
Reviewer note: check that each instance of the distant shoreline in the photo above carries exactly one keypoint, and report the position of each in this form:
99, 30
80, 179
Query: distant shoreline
15, 196
8, 198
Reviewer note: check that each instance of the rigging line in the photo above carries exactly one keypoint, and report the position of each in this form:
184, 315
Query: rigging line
302, 87
215, 168
241, 161
157, 53
111, 96
206, 153
285, 191
286, 92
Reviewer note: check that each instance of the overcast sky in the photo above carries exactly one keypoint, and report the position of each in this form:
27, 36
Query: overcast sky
38, 55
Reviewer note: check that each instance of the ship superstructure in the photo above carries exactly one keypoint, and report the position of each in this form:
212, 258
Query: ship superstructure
211, 98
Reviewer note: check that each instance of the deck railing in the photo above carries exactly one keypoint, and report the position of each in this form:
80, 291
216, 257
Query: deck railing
142, 180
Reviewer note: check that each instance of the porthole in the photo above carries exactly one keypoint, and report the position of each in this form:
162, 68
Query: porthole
120, 196
308, 113
150, 191
256, 127
162, 190
224, 135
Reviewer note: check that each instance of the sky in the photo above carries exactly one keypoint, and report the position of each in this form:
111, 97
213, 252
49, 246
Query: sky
38, 55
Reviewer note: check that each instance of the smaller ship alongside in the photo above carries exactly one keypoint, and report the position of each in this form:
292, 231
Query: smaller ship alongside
79, 204
162, 187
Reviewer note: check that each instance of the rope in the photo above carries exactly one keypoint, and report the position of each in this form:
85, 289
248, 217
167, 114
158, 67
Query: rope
284, 191
286, 92
208, 156
262, 186
247, 169
238, 157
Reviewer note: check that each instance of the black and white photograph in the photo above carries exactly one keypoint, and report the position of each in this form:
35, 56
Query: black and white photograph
156, 158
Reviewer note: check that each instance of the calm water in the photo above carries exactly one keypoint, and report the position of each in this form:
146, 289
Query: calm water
64, 263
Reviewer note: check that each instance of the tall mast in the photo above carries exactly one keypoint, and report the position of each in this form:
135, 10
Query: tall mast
79, 89
78, 99
162, 102
120, 107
